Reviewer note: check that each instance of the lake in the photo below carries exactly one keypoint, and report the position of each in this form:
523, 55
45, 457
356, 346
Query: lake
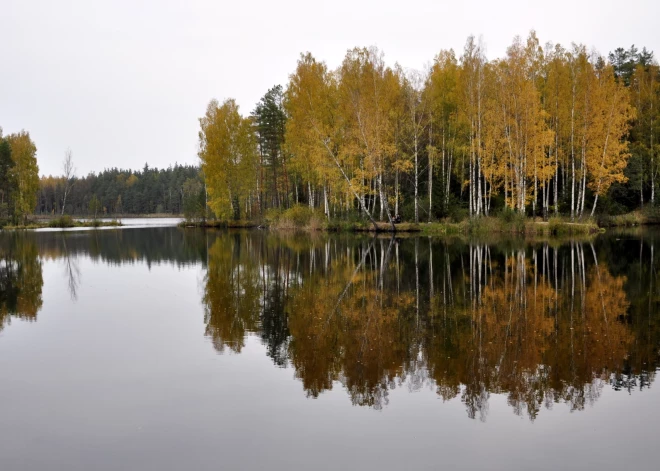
154, 347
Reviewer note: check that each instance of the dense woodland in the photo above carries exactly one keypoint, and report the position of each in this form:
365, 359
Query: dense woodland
119, 191
545, 130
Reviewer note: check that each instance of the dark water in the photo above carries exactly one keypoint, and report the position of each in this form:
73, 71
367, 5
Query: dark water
159, 348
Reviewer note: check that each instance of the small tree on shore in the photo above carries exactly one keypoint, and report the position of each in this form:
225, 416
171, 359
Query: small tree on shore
94, 206
69, 175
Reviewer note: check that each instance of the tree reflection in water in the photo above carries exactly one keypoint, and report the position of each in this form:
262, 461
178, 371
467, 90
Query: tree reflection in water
541, 323
21, 279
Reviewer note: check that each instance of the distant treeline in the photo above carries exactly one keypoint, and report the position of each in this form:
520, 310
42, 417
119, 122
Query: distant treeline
119, 191
544, 130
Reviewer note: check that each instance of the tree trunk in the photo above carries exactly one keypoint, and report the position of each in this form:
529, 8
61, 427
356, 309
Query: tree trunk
396, 193
383, 202
310, 198
416, 183
326, 208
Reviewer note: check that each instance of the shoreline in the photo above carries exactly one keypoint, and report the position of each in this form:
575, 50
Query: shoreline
480, 226
49, 217
63, 224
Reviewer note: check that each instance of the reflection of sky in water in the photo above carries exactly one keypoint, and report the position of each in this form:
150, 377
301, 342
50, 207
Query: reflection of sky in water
125, 375
128, 223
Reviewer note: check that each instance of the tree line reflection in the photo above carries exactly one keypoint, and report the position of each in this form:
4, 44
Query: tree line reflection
541, 323
151, 246
22, 254
21, 279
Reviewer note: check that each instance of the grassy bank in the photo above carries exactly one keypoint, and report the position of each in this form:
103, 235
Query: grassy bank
521, 227
218, 224
646, 217
64, 222
306, 219
49, 217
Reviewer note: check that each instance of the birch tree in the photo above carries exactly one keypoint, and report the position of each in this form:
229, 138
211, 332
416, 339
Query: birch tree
69, 173
608, 153
228, 151
368, 90
441, 92
415, 123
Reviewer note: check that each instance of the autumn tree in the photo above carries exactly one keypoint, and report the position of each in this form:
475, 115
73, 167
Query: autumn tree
557, 109
24, 175
228, 151
525, 133
441, 93
316, 133
6, 183
472, 87
608, 155
415, 122
368, 92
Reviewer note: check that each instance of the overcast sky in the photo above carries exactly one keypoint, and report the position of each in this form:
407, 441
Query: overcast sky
123, 82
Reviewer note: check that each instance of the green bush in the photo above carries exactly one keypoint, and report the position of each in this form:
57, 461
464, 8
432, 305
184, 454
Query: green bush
458, 213
556, 226
508, 215
512, 220
61, 222
300, 215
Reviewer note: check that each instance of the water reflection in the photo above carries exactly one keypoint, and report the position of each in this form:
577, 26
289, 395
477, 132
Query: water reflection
71, 269
122, 246
21, 279
22, 252
541, 323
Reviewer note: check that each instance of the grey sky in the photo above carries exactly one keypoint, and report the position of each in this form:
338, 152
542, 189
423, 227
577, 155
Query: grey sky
123, 82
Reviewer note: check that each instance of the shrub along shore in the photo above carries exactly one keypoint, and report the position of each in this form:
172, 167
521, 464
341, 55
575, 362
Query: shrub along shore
480, 226
303, 218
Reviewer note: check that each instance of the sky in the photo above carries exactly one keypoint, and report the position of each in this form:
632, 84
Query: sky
123, 83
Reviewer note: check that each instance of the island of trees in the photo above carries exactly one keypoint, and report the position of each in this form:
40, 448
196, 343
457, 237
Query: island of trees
545, 131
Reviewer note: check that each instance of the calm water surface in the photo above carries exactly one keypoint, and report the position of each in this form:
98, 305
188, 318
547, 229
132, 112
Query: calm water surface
166, 349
